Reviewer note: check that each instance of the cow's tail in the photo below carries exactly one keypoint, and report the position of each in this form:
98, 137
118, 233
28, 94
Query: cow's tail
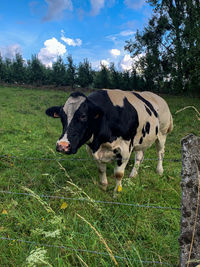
170, 124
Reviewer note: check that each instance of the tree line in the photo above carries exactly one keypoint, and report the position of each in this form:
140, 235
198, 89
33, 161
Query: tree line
169, 47
67, 74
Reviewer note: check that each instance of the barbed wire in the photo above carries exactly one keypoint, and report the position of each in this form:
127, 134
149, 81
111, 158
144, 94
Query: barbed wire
92, 201
82, 250
74, 159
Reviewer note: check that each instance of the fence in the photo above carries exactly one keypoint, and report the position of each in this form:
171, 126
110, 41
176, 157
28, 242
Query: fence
190, 212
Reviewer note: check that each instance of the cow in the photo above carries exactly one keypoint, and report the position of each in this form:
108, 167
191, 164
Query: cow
113, 123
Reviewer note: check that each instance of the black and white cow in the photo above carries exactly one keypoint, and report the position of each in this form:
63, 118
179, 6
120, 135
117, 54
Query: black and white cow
112, 123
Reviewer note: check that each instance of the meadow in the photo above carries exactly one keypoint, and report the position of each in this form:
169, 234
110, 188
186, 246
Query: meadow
64, 230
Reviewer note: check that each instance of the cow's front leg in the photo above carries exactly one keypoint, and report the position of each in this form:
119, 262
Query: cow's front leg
102, 175
119, 173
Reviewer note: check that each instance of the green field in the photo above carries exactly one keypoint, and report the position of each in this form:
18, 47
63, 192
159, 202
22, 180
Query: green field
70, 232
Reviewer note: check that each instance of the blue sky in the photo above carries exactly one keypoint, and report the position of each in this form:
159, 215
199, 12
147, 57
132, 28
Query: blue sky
93, 29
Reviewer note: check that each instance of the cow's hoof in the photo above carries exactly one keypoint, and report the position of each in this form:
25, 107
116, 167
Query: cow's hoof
160, 171
133, 173
103, 186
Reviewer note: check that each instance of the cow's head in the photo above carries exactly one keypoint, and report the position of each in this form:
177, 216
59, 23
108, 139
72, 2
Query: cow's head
79, 117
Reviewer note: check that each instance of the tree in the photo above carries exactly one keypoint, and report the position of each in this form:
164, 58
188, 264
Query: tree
8, 71
59, 72
2, 69
101, 79
18, 69
36, 71
85, 77
170, 45
114, 77
125, 81
71, 72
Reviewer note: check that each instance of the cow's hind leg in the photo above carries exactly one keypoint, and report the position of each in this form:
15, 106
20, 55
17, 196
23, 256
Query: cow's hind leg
160, 147
102, 175
139, 155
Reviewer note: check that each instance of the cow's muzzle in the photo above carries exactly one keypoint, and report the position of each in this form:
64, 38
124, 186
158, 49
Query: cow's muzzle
63, 146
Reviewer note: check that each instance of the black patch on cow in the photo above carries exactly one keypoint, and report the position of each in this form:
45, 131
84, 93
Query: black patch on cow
77, 94
116, 122
156, 130
147, 127
148, 110
147, 103
118, 157
143, 132
141, 140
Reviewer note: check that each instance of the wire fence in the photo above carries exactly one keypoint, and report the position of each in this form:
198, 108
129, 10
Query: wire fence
133, 260
74, 159
84, 250
93, 201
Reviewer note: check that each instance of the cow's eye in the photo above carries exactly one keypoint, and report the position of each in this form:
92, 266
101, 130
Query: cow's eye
83, 117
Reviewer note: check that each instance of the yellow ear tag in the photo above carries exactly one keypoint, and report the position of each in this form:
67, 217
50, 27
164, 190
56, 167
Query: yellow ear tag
63, 206
119, 189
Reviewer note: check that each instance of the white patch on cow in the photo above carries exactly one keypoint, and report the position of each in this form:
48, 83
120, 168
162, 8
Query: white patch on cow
71, 106
63, 139
106, 151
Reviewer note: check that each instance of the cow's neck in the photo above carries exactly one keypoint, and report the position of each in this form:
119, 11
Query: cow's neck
101, 134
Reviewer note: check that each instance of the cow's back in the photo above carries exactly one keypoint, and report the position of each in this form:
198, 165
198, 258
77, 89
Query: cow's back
153, 114
164, 114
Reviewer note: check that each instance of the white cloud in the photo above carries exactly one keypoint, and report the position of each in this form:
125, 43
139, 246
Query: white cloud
126, 63
115, 52
10, 51
96, 5
69, 41
105, 63
56, 8
134, 4
98, 63
118, 38
126, 33
53, 48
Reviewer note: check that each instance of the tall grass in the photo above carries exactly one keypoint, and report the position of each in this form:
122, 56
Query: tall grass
139, 236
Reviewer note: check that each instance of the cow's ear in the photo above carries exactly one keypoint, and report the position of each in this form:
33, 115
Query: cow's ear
96, 111
54, 112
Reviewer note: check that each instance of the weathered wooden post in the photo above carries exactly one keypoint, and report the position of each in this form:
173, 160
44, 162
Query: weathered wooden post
190, 207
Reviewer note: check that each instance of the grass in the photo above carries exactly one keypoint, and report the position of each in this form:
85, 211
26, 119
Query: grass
70, 227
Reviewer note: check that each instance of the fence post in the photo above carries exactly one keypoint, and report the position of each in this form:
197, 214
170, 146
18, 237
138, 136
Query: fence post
189, 239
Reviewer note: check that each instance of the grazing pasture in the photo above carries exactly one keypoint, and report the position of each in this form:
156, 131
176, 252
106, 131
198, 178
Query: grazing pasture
70, 232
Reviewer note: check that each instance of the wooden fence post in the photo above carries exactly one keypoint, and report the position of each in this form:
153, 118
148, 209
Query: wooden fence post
189, 239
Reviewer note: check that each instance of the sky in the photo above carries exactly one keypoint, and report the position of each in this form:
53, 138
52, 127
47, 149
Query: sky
92, 29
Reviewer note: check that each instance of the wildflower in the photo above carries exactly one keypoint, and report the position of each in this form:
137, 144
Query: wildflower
37, 256
4, 212
63, 206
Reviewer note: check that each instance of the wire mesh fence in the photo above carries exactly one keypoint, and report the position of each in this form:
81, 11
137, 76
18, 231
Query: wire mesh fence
86, 200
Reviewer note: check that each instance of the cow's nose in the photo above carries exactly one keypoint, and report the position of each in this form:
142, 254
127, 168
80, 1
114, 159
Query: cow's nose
63, 146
